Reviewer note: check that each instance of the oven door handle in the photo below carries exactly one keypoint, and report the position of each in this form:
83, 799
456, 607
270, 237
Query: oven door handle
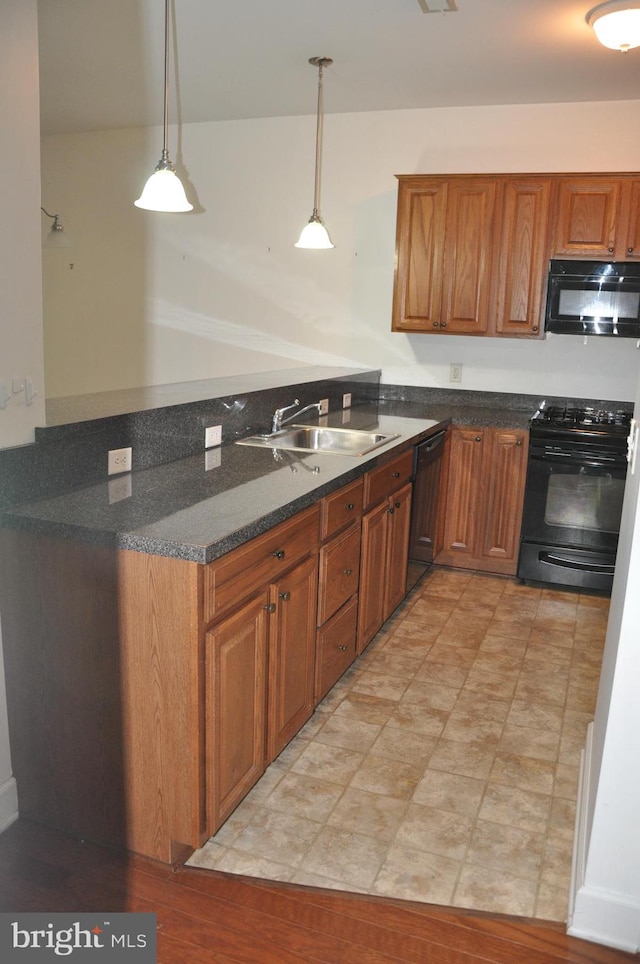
572, 458
552, 560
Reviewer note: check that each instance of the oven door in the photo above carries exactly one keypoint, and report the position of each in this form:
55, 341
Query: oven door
571, 518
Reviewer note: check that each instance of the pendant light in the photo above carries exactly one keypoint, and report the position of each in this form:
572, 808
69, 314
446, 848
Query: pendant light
57, 236
314, 234
164, 191
616, 24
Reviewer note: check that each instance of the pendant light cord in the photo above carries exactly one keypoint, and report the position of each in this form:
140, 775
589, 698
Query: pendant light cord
165, 148
320, 115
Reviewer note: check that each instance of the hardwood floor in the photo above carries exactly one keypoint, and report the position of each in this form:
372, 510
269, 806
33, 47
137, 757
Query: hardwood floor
205, 916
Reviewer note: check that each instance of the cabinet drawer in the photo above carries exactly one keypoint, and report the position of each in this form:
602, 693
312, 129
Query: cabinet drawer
336, 647
339, 572
229, 580
341, 508
383, 481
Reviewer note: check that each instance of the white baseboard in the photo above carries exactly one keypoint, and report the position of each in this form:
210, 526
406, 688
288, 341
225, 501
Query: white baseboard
8, 803
594, 914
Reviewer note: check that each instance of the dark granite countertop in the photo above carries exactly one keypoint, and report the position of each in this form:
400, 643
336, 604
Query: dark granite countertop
200, 507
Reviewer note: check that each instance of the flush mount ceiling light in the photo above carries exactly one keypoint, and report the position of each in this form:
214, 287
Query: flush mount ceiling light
314, 234
164, 191
57, 237
616, 24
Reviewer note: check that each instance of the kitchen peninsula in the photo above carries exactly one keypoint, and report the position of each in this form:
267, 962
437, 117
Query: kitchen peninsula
166, 633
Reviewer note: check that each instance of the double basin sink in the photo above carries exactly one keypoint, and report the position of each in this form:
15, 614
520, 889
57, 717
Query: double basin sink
316, 438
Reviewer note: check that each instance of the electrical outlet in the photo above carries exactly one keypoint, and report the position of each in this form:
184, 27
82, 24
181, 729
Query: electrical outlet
212, 436
455, 372
212, 459
346, 400
119, 460
324, 406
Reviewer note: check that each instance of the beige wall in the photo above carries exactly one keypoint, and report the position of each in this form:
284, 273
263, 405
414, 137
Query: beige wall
155, 298
20, 283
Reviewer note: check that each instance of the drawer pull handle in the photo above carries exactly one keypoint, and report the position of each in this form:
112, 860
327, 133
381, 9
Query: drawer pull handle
343, 649
286, 596
270, 607
347, 572
350, 505
279, 554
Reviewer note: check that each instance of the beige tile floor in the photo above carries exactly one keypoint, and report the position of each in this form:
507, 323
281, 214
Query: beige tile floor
443, 766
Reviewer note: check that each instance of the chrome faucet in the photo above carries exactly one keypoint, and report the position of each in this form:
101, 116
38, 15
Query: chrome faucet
278, 421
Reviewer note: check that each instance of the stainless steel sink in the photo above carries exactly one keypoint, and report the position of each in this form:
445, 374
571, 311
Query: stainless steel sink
316, 438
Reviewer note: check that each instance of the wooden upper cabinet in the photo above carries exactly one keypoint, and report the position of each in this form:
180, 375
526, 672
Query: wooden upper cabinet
443, 254
419, 254
632, 225
467, 255
522, 259
587, 217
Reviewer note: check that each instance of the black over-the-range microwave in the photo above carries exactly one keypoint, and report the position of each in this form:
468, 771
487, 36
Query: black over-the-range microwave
594, 298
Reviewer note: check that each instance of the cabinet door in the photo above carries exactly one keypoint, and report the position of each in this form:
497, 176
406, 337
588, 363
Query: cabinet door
398, 523
631, 204
419, 253
503, 478
372, 574
291, 655
522, 263
471, 206
587, 217
235, 699
463, 502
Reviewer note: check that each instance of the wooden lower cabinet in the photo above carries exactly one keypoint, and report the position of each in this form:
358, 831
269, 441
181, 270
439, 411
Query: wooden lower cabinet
483, 489
292, 652
383, 569
336, 647
235, 700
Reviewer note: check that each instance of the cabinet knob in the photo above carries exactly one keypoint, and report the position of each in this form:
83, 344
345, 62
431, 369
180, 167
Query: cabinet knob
396, 475
443, 324
279, 554
535, 328
478, 438
270, 607
286, 596
435, 324
398, 505
350, 505
519, 441
629, 250
610, 249
391, 510
343, 649
347, 572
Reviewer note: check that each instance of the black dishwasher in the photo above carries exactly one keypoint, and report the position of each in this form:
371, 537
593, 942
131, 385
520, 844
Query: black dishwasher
427, 466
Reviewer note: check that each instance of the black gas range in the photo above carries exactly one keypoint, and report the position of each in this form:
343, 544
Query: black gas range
573, 497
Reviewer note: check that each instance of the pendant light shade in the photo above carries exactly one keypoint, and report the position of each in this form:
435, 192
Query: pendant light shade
164, 191
314, 234
616, 24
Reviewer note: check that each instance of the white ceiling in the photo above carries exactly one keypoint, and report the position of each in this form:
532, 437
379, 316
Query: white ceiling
101, 61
